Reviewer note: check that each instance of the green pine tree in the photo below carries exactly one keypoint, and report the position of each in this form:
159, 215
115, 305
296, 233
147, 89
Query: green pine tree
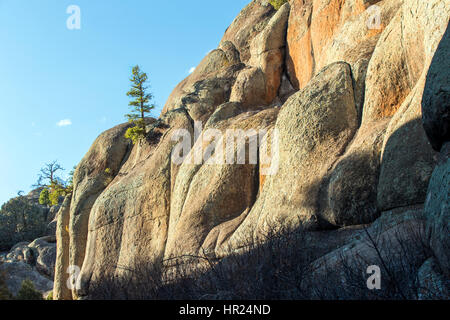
44, 197
140, 104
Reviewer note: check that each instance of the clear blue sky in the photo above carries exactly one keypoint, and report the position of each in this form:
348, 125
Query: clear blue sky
49, 73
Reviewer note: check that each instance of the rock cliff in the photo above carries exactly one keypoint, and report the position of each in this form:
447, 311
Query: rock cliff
337, 90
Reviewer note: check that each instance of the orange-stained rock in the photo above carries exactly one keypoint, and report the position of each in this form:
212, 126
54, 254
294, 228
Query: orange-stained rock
314, 26
407, 157
300, 55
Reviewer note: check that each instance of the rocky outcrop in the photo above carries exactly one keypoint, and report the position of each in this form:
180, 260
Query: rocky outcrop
33, 261
322, 32
407, 159
139, 195
94, 173
209, 85
17, 272
435, 109
247, 25
267, 55
45, 252
349, 153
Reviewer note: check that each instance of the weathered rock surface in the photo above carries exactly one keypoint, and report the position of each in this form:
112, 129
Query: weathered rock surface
209, 195
91, 177
349, 197
247, 25
40, 254
432, 284
393, 242
249, 88
407, 159
322, 32
45, 252
209, 85
129, 220
352, 149
437, 210
61, 290
403, 52
314, 125
268, 51
17, 272
436, 96
21, 252
33, 261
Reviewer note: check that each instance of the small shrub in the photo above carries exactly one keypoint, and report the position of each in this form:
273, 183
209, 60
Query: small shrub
135, 133
44, 197
279, 267
277, 4
50, 296
28, 292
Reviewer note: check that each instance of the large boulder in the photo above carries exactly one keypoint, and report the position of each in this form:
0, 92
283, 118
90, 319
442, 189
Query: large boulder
247, 25
209, 85
402, 54
315, 125
268, 52
93, 174
436, 96
17, 272
45, 252
349, 197
395, 243
21, 252
437, 210
129, 220
407, 157
40, 254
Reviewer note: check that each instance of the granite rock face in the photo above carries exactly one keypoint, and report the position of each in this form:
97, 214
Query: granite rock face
348, 105
436, 96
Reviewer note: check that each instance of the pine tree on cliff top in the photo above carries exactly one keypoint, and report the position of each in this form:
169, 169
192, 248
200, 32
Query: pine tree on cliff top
140, 105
